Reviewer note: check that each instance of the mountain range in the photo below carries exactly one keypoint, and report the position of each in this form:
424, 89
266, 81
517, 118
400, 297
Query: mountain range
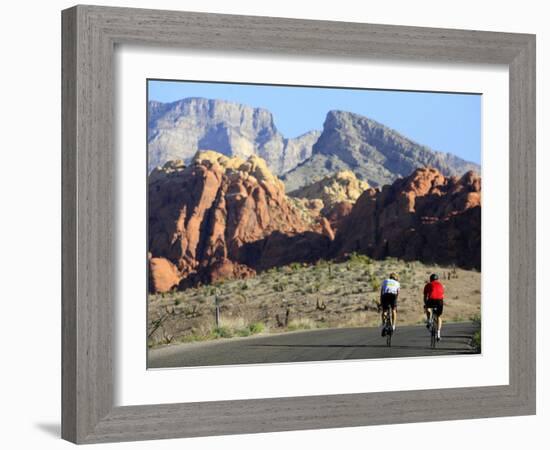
374, 152
178, 130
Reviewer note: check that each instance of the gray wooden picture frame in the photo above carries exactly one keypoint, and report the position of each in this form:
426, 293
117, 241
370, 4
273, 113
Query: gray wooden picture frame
90, 34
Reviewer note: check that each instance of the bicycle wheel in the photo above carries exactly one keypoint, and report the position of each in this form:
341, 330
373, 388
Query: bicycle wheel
389, 328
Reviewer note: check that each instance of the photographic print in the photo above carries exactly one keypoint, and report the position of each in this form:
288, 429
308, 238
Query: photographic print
304, 223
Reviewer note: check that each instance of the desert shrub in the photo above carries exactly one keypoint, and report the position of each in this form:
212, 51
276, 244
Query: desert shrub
210, 290
243, 332
357, 259
256, 328
303, 323
476, 318
279, 286
375, 282
222, 332
313, 288
476, 341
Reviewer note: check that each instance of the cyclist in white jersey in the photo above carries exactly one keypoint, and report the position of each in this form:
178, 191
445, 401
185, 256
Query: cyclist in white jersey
388, 298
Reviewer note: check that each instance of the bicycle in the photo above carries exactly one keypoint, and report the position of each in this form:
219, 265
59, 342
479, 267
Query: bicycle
388, 327
433, 327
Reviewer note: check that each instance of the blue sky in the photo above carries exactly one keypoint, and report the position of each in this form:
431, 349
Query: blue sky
442, 121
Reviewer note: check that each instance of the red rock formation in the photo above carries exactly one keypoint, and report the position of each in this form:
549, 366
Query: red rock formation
225, 218
163, 275
338, 213
223, 269
326, 228
425, 216
200, 216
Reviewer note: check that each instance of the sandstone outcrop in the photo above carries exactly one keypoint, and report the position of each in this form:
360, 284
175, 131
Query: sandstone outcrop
333, 189
425, 216
201, 215
338, 213
163, 275
228, 217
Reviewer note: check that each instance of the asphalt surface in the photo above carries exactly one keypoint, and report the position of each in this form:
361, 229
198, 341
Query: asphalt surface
317, 345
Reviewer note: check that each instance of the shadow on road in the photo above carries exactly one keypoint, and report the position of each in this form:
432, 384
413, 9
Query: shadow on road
403, 347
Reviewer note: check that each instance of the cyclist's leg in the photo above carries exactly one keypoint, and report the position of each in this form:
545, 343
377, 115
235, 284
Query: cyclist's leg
427, 311
385, 314
384, 305
439, 320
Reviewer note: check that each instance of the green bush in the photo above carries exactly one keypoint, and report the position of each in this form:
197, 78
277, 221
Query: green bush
476, 341
279, 287
243, 332
313, 288
357, 259
476, 318
256, 328
227, 332
222, 332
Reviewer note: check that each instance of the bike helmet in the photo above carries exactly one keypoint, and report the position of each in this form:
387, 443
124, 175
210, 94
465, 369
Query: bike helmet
394, 276
434, 277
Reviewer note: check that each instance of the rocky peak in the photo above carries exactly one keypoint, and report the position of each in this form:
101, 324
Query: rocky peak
231, 114
179, 129
374, 152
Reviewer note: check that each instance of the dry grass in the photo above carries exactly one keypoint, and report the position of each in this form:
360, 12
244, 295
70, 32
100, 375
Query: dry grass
302, 323
306, 297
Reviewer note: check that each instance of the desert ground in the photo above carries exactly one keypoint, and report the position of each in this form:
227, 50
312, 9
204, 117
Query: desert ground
306, 297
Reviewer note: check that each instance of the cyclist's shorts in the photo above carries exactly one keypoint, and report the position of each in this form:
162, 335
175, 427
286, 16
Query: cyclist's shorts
436, 305
389, 300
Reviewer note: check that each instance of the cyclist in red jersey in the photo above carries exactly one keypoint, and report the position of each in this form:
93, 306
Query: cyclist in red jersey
434, 293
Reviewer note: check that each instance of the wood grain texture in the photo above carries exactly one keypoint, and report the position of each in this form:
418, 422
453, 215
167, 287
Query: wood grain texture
89, 36
68, 225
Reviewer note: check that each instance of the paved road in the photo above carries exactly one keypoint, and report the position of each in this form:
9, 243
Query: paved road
317, 345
